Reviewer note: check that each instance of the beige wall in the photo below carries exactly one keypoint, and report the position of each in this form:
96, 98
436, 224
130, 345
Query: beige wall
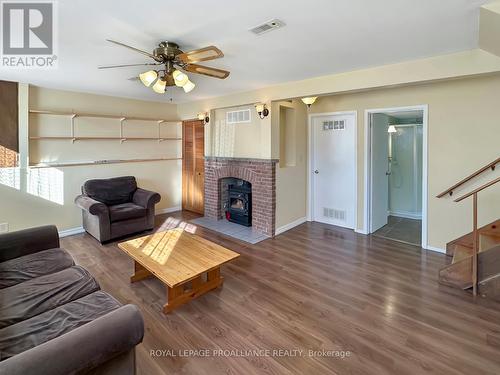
22, 207
245, 140
291, 176
463, 134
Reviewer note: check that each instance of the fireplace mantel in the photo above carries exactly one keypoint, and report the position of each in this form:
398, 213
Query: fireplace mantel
261, 173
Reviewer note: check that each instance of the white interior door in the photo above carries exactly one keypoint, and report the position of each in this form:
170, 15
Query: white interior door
333, 169
379, 167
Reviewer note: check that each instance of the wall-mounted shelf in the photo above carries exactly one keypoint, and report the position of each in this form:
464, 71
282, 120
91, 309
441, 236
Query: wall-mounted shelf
122, 138
95, 115
98, 162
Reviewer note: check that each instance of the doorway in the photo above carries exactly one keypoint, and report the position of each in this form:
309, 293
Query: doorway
193, 166
332, 177
396, 190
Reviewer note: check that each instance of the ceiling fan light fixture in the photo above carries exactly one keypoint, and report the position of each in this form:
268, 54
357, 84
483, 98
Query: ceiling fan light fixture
147, 78
160, 86
188, 86
180, 78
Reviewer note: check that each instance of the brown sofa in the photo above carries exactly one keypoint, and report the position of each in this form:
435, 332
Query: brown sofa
54, 319
115, 207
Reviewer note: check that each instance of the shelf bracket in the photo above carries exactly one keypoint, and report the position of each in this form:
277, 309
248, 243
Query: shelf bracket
73, 127
159, 130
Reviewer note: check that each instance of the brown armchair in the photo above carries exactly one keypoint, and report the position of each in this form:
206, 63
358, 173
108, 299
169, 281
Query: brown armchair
115, 207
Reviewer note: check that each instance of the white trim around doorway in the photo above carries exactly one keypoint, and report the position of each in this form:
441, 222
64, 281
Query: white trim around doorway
367, 167
310, 163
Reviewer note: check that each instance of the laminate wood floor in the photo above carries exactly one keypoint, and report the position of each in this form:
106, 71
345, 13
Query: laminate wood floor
314, 288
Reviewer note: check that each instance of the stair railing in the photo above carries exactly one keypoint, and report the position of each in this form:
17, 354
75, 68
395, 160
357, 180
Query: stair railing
475, 232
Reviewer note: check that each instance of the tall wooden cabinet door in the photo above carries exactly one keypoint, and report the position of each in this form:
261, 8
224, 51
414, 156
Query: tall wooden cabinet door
193, 166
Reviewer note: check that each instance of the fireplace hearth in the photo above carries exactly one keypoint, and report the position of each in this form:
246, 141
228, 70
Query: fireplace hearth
239, 203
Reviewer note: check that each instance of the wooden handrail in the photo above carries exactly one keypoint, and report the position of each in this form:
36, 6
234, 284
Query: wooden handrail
468, 178
475, 191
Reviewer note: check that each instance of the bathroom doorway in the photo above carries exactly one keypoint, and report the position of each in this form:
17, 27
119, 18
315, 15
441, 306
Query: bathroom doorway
396, 184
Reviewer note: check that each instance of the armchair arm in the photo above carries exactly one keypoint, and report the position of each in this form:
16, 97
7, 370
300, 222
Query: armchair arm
146, 198
28, 241
82, 349
91, 205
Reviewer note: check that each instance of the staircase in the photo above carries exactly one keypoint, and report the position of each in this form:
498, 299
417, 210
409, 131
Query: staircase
476, 255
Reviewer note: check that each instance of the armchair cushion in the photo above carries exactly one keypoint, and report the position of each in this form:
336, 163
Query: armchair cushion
126, 211
18, 270
111, 191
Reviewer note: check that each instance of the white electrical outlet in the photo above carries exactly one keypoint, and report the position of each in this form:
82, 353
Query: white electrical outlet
4, 227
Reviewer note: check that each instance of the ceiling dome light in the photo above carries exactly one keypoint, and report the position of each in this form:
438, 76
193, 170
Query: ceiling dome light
147, 78
160, 86
180, 78
309, 100
188, 86
392, 129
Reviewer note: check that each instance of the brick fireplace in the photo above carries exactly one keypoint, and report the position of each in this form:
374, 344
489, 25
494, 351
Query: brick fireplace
261, 173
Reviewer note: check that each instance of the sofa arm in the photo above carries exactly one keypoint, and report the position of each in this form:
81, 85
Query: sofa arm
82, 349
28, 241
146, 198
91, 205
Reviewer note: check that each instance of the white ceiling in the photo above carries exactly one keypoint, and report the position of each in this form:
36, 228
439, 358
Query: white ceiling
320, 37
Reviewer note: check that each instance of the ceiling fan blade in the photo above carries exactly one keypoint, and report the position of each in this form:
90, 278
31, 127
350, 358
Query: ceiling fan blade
202, 54
135, 49
206, 70
125, 65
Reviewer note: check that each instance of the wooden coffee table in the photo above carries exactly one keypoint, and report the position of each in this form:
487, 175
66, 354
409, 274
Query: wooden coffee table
187, 264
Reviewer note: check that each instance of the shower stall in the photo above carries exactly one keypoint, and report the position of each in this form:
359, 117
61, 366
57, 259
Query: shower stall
405, 171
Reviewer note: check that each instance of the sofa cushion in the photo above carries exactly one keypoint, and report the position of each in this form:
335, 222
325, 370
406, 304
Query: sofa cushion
18, 270
41, 328
112, 190
30, 298
126, 211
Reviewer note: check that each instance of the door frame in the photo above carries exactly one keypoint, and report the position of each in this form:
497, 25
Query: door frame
310, 164
368, 166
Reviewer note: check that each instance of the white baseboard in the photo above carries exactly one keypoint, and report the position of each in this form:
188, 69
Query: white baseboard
168, 210
436, 249
70, 232
361, 231
406, 214
291, 225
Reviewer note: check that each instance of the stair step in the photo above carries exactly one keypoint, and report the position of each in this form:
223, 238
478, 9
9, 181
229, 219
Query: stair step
492, 229
461, 252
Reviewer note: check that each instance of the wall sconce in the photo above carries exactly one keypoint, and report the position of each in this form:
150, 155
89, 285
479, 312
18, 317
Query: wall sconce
261, 109
309, 100
204, 117
391, 129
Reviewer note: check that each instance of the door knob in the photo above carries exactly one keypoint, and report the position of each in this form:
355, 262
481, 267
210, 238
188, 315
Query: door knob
316, 171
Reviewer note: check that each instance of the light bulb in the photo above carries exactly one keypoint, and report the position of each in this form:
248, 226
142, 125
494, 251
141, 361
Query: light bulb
188, 86
147, 78
180, 78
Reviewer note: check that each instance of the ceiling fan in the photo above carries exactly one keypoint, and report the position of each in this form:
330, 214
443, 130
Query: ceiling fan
171, 62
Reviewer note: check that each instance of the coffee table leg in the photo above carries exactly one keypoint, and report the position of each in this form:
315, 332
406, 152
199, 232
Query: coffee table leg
140, 273
177, 295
